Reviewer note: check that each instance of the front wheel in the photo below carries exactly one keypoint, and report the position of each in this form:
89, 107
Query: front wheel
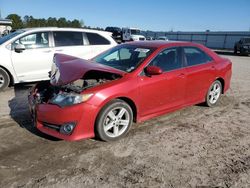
214, 93
4, 79
114, 120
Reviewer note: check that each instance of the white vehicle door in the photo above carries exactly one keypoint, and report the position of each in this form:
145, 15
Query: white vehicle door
98, 43
34, 61
72, 43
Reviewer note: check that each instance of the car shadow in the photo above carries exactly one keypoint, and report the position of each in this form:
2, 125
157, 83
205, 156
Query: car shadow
19, 110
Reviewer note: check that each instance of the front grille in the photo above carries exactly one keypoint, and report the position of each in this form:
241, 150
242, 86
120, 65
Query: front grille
52, 126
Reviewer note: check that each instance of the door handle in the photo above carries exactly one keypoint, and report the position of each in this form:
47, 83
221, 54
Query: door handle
60, 50
213, 67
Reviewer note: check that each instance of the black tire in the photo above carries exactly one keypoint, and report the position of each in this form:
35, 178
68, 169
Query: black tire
209, 101
241, 52
4, 79
235, 50
104, 120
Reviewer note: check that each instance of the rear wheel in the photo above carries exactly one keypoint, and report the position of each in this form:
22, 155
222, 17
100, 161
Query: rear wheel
114, 120
4, 79
214, 93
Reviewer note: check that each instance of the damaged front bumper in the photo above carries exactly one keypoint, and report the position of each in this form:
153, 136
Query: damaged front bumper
69, 123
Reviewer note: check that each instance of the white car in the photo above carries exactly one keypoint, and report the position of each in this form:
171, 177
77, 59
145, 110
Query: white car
27, 54
162, 38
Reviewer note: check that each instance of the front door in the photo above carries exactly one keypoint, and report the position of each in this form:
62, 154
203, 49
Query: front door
167, 90
34, 62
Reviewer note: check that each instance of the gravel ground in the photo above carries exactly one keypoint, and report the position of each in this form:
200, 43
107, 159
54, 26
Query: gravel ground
192, 147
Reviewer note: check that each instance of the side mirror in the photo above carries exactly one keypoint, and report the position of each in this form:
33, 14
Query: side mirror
19, 48
153, 70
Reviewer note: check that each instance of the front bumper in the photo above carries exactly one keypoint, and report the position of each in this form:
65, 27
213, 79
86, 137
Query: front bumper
245, 50
49, 117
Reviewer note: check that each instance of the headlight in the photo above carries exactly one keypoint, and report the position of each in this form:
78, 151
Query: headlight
66, 99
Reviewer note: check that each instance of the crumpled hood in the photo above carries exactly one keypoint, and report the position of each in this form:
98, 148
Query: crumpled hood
66, 69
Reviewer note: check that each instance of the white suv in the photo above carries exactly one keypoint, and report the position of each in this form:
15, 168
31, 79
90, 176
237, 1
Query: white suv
27, 54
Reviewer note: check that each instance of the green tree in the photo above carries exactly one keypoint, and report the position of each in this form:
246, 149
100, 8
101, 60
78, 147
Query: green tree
16, 21
52, 22
75, 23
62, 22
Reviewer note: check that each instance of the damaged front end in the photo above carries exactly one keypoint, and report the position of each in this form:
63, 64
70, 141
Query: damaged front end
70, 77
71, 93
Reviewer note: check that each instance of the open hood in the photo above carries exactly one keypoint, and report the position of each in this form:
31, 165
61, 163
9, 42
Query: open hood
66, 69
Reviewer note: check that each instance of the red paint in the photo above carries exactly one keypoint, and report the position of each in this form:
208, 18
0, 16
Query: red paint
152, 95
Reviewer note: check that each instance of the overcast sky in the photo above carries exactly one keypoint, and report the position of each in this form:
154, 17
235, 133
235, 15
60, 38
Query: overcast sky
157, 15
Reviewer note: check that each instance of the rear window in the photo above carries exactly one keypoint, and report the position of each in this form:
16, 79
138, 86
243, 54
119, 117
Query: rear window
95, 39
67, 38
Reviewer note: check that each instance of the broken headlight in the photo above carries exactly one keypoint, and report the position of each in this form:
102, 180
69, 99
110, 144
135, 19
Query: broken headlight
66, 99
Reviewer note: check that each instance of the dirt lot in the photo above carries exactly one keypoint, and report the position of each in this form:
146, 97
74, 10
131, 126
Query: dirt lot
196, 146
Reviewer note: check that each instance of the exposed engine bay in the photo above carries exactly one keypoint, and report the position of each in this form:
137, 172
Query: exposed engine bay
44, 91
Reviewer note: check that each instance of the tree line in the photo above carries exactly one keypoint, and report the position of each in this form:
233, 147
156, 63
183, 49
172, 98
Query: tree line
30, 21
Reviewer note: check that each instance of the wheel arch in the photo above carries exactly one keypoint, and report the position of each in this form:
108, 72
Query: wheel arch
9, 74
128, 100
222, 81
131, 103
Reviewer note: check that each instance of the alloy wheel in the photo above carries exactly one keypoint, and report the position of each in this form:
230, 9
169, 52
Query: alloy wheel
214, 93
1, 80
116, 122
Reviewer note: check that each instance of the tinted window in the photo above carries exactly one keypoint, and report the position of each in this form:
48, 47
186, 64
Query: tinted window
195, 56
95, 39
124, 57
66, 38
34, 40
168, 59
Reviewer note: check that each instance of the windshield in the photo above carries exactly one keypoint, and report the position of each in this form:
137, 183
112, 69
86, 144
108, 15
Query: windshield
124, 57
135, 32
10, 36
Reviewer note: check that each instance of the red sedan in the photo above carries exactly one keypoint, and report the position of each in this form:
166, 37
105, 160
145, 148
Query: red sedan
129, 83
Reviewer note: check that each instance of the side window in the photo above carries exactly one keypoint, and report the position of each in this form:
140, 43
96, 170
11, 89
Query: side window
67, 38
168, 60
195, 56
33, 41
95, 39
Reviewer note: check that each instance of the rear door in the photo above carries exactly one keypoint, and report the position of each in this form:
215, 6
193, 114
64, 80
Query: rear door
72, 43
200, 69
98, 43
167, 90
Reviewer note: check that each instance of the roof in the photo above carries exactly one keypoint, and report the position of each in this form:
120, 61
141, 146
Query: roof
62, 29
158, 43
